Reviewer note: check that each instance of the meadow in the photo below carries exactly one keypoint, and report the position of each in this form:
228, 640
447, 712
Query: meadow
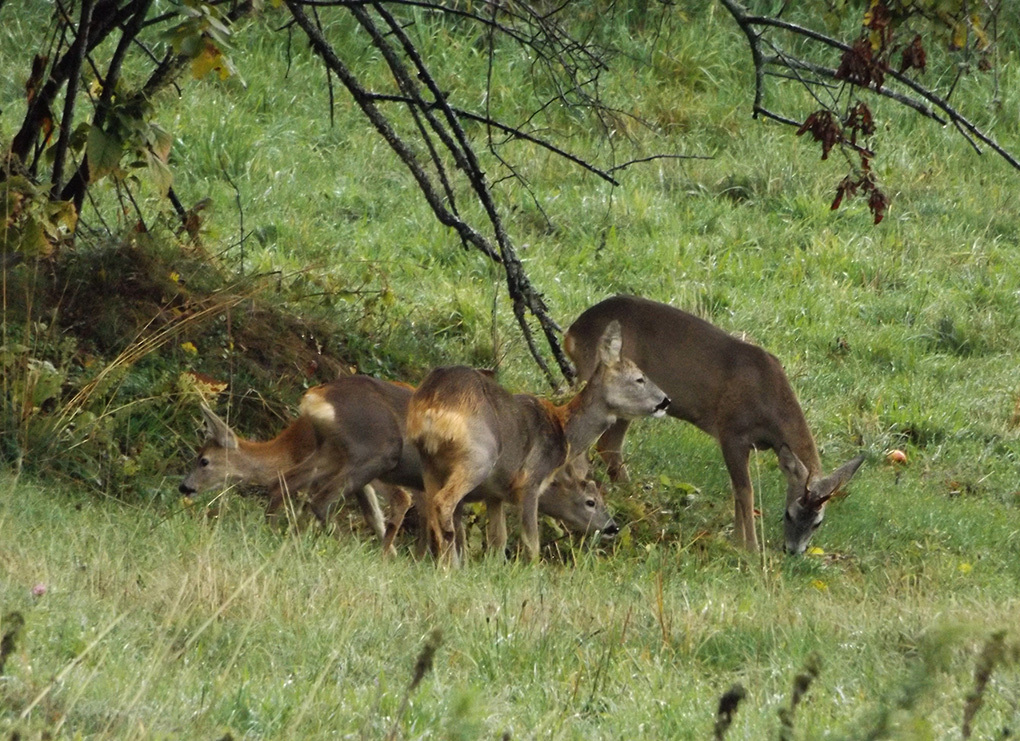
143, 615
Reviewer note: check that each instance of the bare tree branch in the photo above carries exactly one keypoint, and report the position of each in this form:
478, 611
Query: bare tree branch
75, 188
749, 25
77, 56
363, 98
514, 132
523, 295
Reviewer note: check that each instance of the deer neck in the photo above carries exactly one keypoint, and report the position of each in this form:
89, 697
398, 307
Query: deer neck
584, 419
264, 462
799, 439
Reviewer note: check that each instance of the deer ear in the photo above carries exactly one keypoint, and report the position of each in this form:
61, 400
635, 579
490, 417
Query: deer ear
794, 469
611, 344
217, 430
823, 489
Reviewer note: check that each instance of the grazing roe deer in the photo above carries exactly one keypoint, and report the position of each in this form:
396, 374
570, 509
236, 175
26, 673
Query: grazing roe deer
352, 431
349, 433
226, 459
476, 439
735, 391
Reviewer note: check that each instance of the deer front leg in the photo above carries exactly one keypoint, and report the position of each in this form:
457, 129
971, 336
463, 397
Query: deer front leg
308, 473
735, 454
400, 503
529, 522
610, 448
461, 530
278, 496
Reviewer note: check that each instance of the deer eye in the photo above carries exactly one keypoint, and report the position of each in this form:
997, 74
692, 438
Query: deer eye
590, 503
641, 379
203, 462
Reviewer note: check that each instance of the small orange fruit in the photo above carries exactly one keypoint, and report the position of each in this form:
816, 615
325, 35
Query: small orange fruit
896, 456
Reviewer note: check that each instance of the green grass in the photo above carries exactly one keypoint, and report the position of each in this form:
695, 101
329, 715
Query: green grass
170, 624
160, 622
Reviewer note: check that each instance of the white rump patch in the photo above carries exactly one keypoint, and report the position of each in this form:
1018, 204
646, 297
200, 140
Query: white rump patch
315, 406
436, 426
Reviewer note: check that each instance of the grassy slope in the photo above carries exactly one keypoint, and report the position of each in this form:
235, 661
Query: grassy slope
224, 624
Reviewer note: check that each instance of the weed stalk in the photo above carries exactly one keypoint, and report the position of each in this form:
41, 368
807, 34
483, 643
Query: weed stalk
421, 667
801, 685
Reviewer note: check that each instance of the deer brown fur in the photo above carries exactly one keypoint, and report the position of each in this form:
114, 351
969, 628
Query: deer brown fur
478, 440
735, 391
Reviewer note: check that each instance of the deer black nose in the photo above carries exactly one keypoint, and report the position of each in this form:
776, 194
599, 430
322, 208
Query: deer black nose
664, 404
611, 529
185, 489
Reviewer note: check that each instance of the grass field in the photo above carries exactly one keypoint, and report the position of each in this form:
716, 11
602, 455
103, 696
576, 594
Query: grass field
147, 617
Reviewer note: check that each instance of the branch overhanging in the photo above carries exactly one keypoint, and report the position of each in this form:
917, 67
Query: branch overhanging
750, 24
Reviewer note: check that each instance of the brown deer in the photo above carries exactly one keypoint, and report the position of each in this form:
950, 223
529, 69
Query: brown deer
351, 432
735, 391
363, 440
477, 440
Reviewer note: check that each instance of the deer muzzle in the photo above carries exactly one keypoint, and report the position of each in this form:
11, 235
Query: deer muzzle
662, 406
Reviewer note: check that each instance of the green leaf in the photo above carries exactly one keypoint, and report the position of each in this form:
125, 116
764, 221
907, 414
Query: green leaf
160, 140
104, 152
159, 172
61, 214
33, 241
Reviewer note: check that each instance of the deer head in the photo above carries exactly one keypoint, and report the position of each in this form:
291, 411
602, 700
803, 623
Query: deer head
806, 499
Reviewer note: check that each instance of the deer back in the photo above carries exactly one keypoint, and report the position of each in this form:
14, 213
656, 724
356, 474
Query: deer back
361, 416
721, 384
461, 415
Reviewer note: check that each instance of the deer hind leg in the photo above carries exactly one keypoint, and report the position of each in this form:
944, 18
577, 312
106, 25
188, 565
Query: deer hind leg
495, 528
735, 454
442, 527
445, 505
369, 503
357, 466
343, 485
610, 448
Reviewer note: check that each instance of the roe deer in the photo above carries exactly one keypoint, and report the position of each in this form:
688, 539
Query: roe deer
476, 439
735, 391
350, 432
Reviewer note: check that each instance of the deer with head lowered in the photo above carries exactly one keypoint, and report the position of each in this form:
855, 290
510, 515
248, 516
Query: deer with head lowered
351, 432
735, 391
477, 440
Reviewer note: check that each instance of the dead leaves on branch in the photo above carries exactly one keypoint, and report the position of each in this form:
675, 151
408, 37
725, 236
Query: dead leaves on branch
878, 202
861, 66
865, 64
886, 56
825, 127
